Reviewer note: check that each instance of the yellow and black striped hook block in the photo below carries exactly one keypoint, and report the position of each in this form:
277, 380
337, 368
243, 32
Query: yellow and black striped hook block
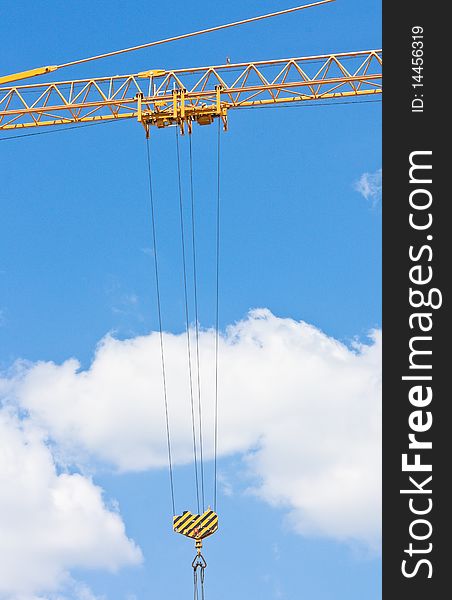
196, 527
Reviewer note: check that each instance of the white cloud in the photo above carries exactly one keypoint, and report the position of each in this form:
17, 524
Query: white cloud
369, 185
303, 408
73, 590
50, 522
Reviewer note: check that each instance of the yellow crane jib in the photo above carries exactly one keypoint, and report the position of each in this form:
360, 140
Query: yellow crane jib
200, 95
196, 527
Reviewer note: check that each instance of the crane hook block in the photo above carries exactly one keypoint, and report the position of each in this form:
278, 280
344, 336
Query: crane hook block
196, 527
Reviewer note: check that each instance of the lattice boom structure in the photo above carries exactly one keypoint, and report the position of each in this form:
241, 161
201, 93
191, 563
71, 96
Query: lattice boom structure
185, 96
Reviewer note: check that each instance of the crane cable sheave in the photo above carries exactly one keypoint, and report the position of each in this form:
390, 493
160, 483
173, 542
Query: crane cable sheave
183, 113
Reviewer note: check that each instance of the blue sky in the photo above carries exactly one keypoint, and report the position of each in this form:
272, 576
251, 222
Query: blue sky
298, 239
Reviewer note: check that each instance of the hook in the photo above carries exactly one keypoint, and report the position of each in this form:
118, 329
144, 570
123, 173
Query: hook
199, 561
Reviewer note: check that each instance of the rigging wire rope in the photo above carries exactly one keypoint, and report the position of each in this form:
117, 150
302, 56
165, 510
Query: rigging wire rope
187, 323
194, 33
165, 396
217, 314
195, 292
199, 563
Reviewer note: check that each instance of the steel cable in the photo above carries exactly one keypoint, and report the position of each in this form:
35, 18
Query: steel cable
192, 34
187, 320
217, 315
165, 395
195, 288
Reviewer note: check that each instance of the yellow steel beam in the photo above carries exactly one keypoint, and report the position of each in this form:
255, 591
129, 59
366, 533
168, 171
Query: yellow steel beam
184, 96
26, 74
